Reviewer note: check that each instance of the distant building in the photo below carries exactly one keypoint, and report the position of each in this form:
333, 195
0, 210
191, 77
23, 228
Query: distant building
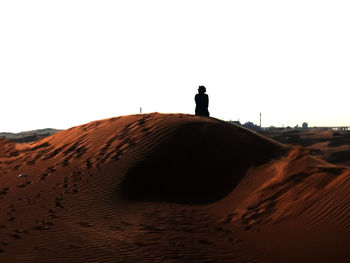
236, 122
251, 126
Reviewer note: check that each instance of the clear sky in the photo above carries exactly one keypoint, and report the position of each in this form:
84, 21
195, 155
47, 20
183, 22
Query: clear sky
65, 63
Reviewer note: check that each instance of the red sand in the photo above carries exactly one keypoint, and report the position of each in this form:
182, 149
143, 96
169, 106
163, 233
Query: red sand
170, 188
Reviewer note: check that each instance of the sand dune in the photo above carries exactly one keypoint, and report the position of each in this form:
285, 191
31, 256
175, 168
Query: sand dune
170, 188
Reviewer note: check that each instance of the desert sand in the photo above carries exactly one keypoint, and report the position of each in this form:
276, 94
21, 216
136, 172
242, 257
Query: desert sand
175, 188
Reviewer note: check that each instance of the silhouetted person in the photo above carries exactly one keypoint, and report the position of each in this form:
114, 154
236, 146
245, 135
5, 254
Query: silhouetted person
202, 102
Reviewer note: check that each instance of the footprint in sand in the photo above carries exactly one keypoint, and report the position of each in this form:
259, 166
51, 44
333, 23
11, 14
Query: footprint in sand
126, 223
43, 176
13, 209
85, 224
51, 169
116, 228
205, 242
88, 163
43, 145
52, 154
117, 155
58, 204
75, 188
145, 130
77, 176
31, 162
20, 231
24, 184
75, 151
219, 228
15, 168
53, 213
4, 191
66, 162
44, 225
140, 244
74, 246
15, 236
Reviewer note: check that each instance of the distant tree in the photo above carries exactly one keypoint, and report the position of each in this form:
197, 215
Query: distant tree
251, 126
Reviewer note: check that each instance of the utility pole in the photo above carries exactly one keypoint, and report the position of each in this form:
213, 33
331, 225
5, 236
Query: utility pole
140, 110
260, 120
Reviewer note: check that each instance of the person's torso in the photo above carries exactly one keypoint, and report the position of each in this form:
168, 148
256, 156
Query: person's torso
202, 100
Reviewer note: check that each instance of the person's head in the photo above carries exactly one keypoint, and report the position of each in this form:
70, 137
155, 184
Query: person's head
201, 89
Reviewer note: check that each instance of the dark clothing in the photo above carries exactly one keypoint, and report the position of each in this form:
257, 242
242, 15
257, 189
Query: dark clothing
202, 102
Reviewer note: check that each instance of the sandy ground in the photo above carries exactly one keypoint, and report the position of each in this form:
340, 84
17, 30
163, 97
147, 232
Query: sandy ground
175, 188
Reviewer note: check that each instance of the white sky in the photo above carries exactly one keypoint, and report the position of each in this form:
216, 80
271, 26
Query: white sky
65, 63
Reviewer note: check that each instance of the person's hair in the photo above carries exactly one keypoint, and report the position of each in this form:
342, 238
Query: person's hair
202, 89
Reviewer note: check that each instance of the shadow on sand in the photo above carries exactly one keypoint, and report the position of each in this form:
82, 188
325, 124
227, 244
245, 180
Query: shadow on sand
200, 163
